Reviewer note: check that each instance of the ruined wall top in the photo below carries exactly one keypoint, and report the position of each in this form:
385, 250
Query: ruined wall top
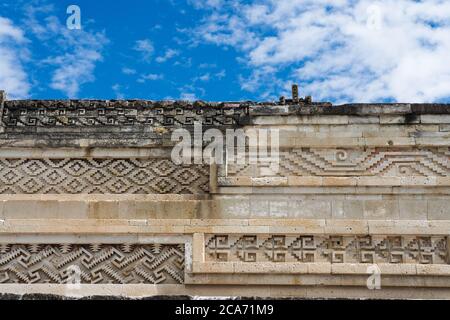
256, 108
149, 123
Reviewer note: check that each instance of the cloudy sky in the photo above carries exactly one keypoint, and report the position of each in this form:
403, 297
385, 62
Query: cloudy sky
337, 50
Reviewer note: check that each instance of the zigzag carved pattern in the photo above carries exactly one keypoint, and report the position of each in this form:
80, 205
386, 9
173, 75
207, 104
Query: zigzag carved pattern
101, 176
97, 263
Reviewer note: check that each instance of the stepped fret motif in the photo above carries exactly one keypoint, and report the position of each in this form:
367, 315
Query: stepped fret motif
95, 263
121, 113
328, 248
354, 162
101, 176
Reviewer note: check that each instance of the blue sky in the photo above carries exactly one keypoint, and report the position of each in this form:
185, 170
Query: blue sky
339, 51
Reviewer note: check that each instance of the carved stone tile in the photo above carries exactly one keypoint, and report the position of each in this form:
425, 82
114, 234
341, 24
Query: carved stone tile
92, 263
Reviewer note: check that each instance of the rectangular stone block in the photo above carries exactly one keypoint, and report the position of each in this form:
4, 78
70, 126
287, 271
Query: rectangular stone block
319, 268
337, 209
259, 208
178, 210
433, 270
413, 209
278, 209
198, 247
438, 210
339, 181
431, 142
381, 209
392, 119
435, 119
233, 208
305, 181
310, 209
17, 209
270, 268
389, 142
349, 268
104, 210
363, 120
73, 209
395, 269
346, 227
354, 209
2, 205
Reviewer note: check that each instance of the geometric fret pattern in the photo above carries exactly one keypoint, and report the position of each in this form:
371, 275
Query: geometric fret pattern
327, 248
400, 162
92, 263
95, 113
101, 176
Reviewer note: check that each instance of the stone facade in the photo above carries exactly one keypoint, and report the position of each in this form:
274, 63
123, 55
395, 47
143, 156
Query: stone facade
90, 186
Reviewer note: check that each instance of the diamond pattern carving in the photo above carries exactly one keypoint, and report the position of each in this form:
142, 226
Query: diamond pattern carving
106, 176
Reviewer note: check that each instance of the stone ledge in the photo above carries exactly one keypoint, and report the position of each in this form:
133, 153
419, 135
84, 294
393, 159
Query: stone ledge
102, 197
84, 152
199, 291
332, 181
285, 281
317, 268
258, 108
228, 226
269, 205
327, 190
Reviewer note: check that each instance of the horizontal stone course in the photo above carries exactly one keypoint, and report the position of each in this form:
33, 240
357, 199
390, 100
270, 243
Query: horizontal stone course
253, 207
235, 226
317, 268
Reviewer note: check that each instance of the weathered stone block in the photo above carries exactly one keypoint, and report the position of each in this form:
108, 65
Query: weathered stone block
438, 210
354, 209
381, 209
413, 209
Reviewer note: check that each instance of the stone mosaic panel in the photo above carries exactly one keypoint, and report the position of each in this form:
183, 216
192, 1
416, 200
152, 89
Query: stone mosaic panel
101, 176
94, 113
327, 248
92, 263
353, 162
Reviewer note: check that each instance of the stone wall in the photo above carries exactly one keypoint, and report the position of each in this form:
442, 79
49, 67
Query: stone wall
90, 187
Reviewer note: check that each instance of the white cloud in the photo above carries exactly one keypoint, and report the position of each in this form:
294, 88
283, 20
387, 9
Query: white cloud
76, 51
145, 48
206, 3
204, 77
339, 50
39, 28
207, 65
184, 62
128, 71
169, 54
221, 74
151, 76
186, 96
13, 52
117, 88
